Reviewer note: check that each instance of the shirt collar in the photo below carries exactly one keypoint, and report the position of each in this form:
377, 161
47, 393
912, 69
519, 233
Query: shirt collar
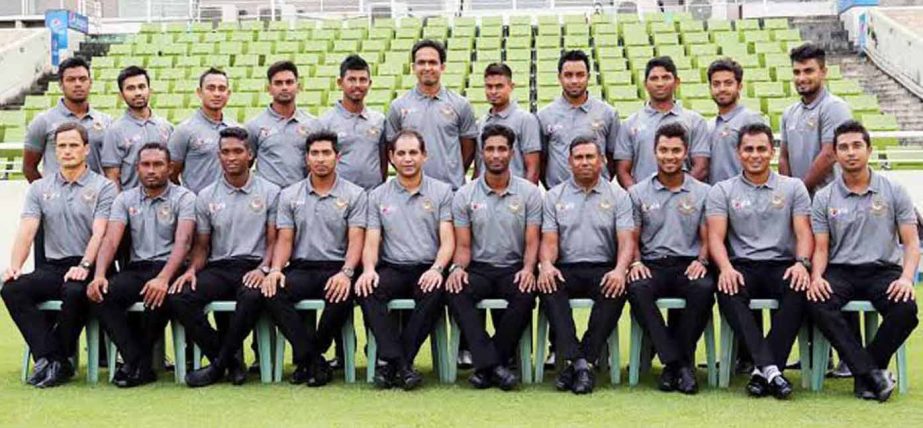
298, 116
682, 188
66, 112
482, 184
874, 184
505, 113
567, 105
820, 97
209, 120
81, 180
439, 95
140, 122
676, 110
229, 188
162, 197
729, 116
598, 188
421, 190
769, 184
348, 114
334, 190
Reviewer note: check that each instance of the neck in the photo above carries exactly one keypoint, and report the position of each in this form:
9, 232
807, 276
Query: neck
497, 108
578, 100
671, 181
587, 184
141, 113
322, 184
153, 192
858, 181
215, 115
498, 182
353, 106
429, 90
412, 182
238, 180
759, 177
284, 110
72, 174
78, 108
663, 106
727, 109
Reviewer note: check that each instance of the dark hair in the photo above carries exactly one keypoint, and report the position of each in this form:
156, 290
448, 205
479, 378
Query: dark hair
501, 130
660, 61
582, 140
72, 62
726, 64
498, 69
353, 62
752, 129
234, 132
427, 43
72, 126
672, 130
211, 70
574, 55
852, 127
280, 66
809, 51
407, 132
324, 135
132, 71
155, 145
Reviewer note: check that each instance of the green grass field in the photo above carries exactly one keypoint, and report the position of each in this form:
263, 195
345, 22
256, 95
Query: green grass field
255, 405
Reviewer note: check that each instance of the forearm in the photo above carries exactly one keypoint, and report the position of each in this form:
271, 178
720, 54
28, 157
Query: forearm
105, 257
177, 254
911, 262
820, 169
530, 256
354, 249
370, 254
784, 168
444, 255
548, 253
700, 168
819, 262
20, 251
532, 163
626, 250
30, 167
467, 151
114, 174
462, 256
719, 253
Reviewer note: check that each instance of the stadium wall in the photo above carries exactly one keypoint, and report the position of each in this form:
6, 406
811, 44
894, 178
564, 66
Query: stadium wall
25, 56
888, 44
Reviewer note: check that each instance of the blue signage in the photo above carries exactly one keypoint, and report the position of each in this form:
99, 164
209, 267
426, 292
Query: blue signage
56, 21
845, 5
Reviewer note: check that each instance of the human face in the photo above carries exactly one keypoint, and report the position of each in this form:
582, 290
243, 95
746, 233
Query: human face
496, 154
852, 152
498, 89
670, 153
427, 67
76, 84
214, 92
235, 156
136, 92
586, 162
660, 85
808, 76
355, 85
322, 159
725, 89
70, 150
755, 152
574, 77
283, 87
407, 157
153, 169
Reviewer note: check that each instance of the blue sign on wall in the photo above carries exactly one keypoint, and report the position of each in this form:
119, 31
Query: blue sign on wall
56, 21
844, 5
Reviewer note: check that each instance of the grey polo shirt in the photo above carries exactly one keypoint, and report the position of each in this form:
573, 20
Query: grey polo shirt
236, 218
587, 222
195, 143
409, 222
669, 221
279, 145
805, 127
561, 123
760, 218
40, 135
498, 220
124, 140
321, 222
152, 221
442, 120
636, 137
528, 135
67, 210
361, 137
723, 132
863, 228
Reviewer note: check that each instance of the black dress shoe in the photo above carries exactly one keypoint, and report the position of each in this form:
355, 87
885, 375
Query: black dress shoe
685, 381
780, 387
300, 375
138, 377
565, 379
319, 374
336, 364
743, 366
881, 384
54, 376
39, 370
121, 373
757, 386
504, 378
480, 379
550, 361
584, 381
384, 377
408, 378
204, 376
255, 367
667, 382
861, 390
237, 373
67, 369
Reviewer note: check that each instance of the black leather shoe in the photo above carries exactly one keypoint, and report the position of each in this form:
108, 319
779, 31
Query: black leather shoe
320, 373
743, 366
757, 387
300, 375
121, 373
667, 382
780, 387
584, 381
881, 384
54, 376
336, 364
204, 376
67, 369
861, 390
237, 373
565, 380
480, 379
384, 377
504, 378
39, 370
685, 381
408, 378
138, 377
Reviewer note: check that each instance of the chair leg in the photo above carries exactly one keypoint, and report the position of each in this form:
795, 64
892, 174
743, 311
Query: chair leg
727, 349
26, 363
525, 354
541, 345
263, 327
804, 355
903, 375
454, 344
179, 351
92, 332
112, 355
710, 353
349, 349
634, 352
371, 354
821, 356
871, 325
442, 351
279, 357
615, 358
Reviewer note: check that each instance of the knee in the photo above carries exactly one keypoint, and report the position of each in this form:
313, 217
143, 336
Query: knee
639, 290
905, 313
526, 300
74, 292
12, 291
249, 298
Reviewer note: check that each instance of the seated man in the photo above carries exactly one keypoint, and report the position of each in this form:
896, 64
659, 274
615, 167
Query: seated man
672, 261
759, 236
861, 222
410, 231
73, 206
160, 217
236, 230
497, 231
586, 246
321, 222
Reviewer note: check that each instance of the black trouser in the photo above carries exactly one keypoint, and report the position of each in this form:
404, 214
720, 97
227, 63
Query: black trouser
864, 282
763, 280
134, 340
220, 280
306, 280
400, 282
674, 345
485, 282
45, 338
581, 280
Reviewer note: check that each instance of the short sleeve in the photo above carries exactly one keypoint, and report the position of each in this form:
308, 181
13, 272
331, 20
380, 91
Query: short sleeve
202, 215
179, 144
530, 139
119, 211
534, 207
112, 153
467, 123
460, 210
699, 144
373, 211
623, 147
783, 130
107, 194
613, 134
272, 204
285, 211
904, 211
834, 115
549, 214
819, 221
32, 207
445, 205
36, 135
187, 206
393, 121
801, 200
716, 205
624, 217
358, 210
253, 134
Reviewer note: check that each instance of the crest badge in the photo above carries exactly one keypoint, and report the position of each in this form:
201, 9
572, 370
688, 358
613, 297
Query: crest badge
777, 201
448, 112
89, 196
605, 205
878, 206
373, 132
257, 204
302, 130
427, 205
97, 126
685, 205
215, 207
341, 203
165, 213
515, 205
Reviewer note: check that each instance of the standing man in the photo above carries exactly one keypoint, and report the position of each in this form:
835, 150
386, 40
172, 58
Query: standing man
672, 260
160, 218
194, 145
586, 247
575, 114
75, 81
497, 231
525, 159
137, 127
321, 222
807, 126
861, 222
73, 205
759, 235
236, 231
634, 150
360, 131
410, 233
725, 78
444, 118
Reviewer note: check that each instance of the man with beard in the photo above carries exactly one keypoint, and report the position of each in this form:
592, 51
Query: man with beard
725, 78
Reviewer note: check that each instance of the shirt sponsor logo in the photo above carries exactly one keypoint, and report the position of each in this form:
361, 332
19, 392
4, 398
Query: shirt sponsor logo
198, 143
303, 130
812, 122
596, 124
551, 129
475, 206
605, 205
740, 204
215, 207
515, 205
265, 132
647, 207
833, 212
97, 125
386, 209
560, 206
133, 211
406, 112
47, 196
373, 132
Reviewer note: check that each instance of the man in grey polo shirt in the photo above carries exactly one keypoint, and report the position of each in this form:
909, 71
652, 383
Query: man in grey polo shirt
360, 131
867, 248
672, 258
444, 118
725, 78
194, 143
526, 155
137, 127
575, 114
759, 236
497, 231
73, 204
321, 222
160, 218
410, 232
634, 149
235, 234
806, 151
277, 135
39, 147
586, 247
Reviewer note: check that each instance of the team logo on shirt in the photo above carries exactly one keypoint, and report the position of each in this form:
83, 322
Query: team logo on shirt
89, 196
97, 125
878, 206
475, 206
740, 204
812, 122
406, 112
777, 200
215, 207
725, 131
198, 143
560, 206
264, 132
165, 213
341, 203
515, 205
596, 124
686, 205
133, 211
605, 205
373, 132
257, 204
302, 130
448, 112
164, 133
635, 130
427, 205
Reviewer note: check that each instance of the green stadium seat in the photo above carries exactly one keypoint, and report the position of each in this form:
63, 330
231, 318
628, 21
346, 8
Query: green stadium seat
307, 59
670, 50
607, 28
863, 104
691, 26
12, 118
259, 48
489, 43
353, 34
844, 87
636, 39
734, 50
242, 99
187, 38
834, 73
627, 17
202, 49
756, 36
331, 71
186, 86
436, 33
168, 101
252, 25
521, 20
103, 62
666, 39
757, 75
120, 49
381, 34
238, 36
177, 73
319, 46
627, 108
247, 60
700, 105
219, 61
287, 47
384, 23
37, 102
577, 30
520, 31
312, 98
694, 38
549, 20
616, 78
725, 38
742, 25
576, 42
574, 19
437, 21
622, 93
13, 134
518, 55
346, 46
694, 90
682, 62
748, 61
492, 32
609, 52
788, 35
645, 52
325, 34
103, 102
691, 75
177, 27
520, 42
718, 25
770, 60
161, 62
754, 104
151, 27
702, 49
882, 122
769, 47
542, 41
407, 33
125, 61
612, 64
489, 55
251, 85
601, 18
661, 27
775, 23
766, 89
269, 36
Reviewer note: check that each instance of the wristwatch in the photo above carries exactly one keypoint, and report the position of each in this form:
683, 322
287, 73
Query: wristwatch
265, 269
455, 267
703, 261
806, 262
86, 264
348, 271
